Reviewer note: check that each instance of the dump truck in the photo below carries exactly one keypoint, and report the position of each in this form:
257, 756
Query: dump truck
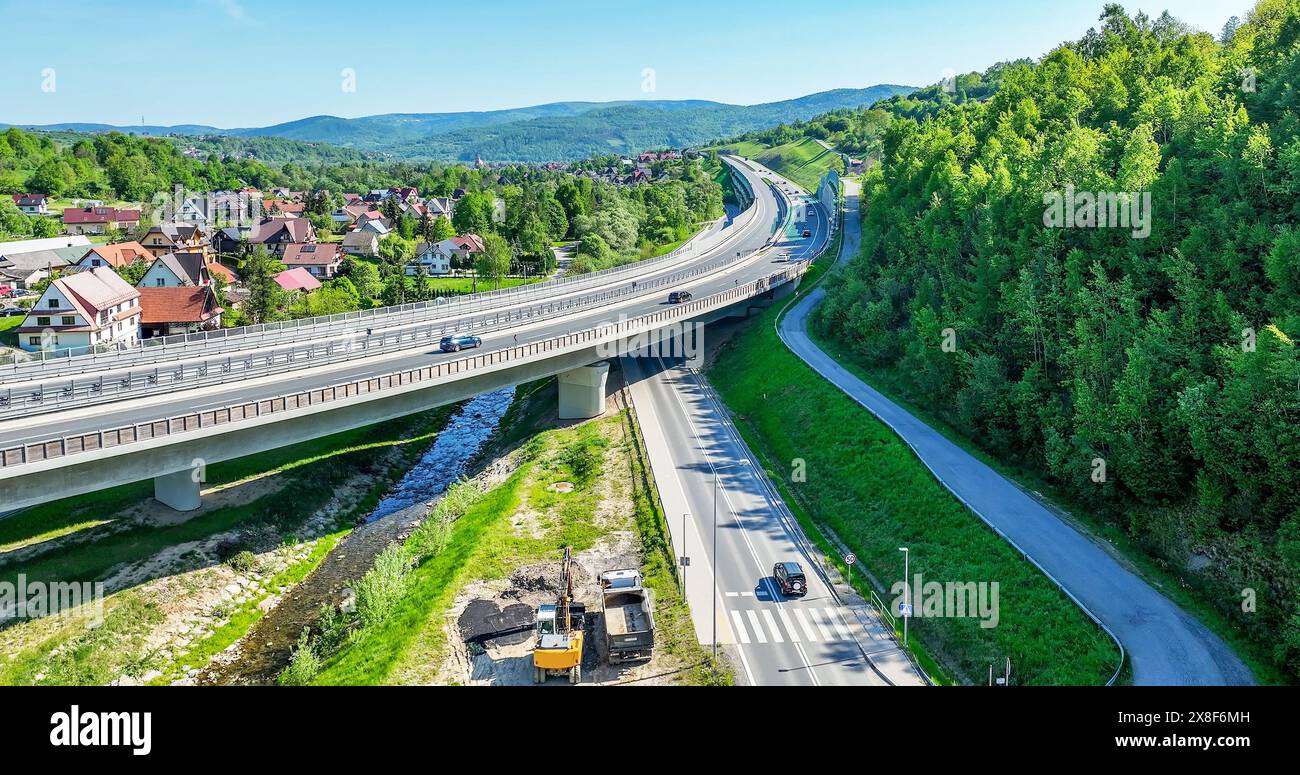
628, 609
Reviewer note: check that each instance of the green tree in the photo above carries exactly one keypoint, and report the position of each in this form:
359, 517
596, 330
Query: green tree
493, 263
473, 213
265, 296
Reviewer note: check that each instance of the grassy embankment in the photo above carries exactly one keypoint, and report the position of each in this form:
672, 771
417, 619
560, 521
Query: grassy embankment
94, 536
1257, 656
803, 161
398, 633
866, 487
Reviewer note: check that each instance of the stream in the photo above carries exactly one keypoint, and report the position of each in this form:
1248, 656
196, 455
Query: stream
265, 649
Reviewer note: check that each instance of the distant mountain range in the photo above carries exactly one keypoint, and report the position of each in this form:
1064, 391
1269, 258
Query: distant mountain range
557, 131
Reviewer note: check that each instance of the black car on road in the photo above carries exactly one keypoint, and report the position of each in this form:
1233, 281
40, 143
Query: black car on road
790, 579
457, 342
679, 297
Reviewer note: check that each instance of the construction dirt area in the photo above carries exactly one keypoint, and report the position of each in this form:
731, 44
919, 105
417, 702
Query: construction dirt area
489, 628
506, 660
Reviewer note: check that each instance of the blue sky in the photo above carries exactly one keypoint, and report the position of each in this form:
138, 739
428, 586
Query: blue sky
235, 63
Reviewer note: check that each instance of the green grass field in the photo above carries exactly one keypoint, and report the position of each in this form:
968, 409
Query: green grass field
804, 161
7, 326
864, 484
409, 644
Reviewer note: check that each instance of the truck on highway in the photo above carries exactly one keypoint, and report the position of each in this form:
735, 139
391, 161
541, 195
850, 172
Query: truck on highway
628, 610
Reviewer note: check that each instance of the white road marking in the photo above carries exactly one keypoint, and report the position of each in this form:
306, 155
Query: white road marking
758, 628
803, 622
826, 634
789, 625
771, 625
739, 625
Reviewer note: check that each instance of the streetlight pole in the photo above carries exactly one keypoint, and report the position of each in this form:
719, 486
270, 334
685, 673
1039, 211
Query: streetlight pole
907, 592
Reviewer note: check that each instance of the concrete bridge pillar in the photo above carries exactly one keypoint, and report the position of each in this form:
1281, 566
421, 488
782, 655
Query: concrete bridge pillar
179, 490
582, 392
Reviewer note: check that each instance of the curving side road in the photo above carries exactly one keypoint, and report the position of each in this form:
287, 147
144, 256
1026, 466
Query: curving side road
1165, 644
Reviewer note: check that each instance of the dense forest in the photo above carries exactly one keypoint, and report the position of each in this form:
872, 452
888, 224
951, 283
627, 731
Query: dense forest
1152, 381
859, 132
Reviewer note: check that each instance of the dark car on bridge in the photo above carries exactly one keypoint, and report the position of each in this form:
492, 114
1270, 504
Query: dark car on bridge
457, 342
679, 297
807, 232
790, 579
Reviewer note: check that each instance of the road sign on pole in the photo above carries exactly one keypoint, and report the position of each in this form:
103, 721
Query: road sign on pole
905, 610
849, 559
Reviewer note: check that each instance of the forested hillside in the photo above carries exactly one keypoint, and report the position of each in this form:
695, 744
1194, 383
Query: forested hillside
1154, 382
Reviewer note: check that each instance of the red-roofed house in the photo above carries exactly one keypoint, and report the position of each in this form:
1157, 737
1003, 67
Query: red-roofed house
116, 256
297, 279
32, 204
321, 259
468, 244
283, 206
95, 308
98, 220
167, 311
216, 269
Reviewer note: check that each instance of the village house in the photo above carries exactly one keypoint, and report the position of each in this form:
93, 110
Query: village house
439, 206
177, 270
431, 259
168, 311
115, 256
361, 243
274, 233
283, 207
32, 204
373, 220
321, 259
23, 263
95, 308
176, 238
226, 274
297, 280
348, 214
99, 220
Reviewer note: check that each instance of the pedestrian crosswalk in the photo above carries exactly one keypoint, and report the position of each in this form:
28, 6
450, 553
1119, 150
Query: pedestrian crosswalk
785, 623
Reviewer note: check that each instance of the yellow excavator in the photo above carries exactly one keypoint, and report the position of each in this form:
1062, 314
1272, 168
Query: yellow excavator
558, 650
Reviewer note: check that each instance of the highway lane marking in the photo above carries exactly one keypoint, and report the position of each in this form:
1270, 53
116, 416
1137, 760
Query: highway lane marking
739, 627
735, 513
771, 625
650, 385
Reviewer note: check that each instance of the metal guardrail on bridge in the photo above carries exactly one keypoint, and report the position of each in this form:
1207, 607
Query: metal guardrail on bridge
70, 360
65, 446
26, 399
